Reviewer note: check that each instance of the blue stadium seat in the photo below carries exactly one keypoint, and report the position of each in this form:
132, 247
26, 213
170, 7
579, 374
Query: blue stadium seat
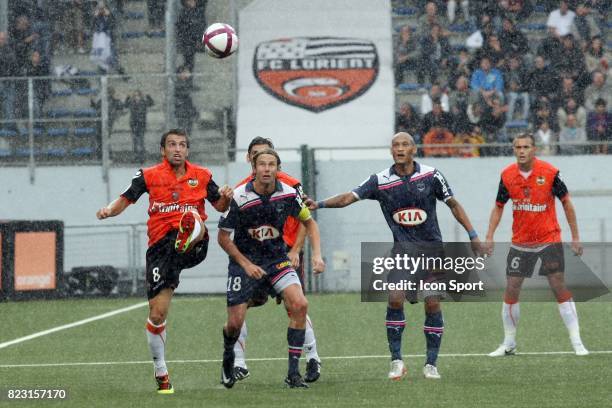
61, 92
26, 131
459, 28
5, 152
85, 131
532, 26
517, 124
82, 151
86, 91
85, 113
7, 133
132, 34
88, 73
25, 152
134, 15
59, 113
404, 11
160, 34
54, 151
57, 132
409, 87
539, 8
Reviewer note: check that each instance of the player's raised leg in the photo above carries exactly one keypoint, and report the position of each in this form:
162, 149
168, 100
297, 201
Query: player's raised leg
241, 370
156, 338
567, 310
297, 306
433, 330
395, 322
231, 332
191, 231
511, 313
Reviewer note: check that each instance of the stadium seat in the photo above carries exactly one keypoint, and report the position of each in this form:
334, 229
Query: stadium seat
54, 151
459, 28
86, 91
26, 131
160, 34
397, 28
57, 132
404, 11
532, 27
85, 131
134, 15
25, 152
61, 92
540, 8
85, 113
88, 73
59, 113
5, 152
82, 151
409, 87
517, 124
7, 133
132, 34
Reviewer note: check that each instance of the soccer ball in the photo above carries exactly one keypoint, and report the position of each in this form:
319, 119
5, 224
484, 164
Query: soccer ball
220, 40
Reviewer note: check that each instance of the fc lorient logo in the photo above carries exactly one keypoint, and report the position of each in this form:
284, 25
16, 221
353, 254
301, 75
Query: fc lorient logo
316, 73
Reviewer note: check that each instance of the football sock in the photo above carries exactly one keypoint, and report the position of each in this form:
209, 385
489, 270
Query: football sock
433, 329
228, 345
156, 338
310, 342
240, 347
568, 313
395, 323
511, 312
295, 339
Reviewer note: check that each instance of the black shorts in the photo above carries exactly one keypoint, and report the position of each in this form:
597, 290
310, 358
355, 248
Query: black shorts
164, 264
522, 262
260, 295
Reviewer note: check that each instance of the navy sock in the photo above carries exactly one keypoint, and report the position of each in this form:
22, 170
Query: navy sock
395, 323
433, 329
228, 345
295, 340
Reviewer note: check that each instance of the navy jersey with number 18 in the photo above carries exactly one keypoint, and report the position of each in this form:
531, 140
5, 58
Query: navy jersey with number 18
408, 202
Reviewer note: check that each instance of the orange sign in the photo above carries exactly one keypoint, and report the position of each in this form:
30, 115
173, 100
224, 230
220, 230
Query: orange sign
316, 73
35, 262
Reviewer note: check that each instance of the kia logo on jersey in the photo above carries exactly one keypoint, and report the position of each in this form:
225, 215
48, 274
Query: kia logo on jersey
316, 73
409, 217
263, 233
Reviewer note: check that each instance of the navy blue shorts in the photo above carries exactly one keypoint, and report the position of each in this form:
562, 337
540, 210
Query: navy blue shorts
241, 288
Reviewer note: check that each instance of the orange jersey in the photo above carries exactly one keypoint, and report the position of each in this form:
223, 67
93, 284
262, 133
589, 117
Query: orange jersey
170, 197
290, 230
534, 218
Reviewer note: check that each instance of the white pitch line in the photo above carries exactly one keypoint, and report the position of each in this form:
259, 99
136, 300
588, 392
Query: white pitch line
71, 325
104, 363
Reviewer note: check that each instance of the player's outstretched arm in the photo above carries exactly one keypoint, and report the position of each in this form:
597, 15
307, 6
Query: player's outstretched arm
463, 219
570, 215
113, 209
222, 204
318, 265
225, 241
337, 201
494, 219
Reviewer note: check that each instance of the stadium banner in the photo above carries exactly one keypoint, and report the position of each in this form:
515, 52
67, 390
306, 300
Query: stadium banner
315, 72
452, 271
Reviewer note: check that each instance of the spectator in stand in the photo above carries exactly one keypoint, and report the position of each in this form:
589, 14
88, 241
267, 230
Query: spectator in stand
571, 61
8, 68
517, 9
408, 120
406, 54
516, 79
600, 9
37, 67
598, 89
435, 52
115, 109
435, 93
472, 137
571, 133
437, 118
568, 90
438, 136
487, 81
599, 127
542, 80
480, 9
24, 39
155, 14
459, 101
474, 113
543, 112
572, 108
74, 26
460, 66
104, 50
189, 28
451, 8
513, 41
492, 49
185, 111
544, 138
585, 27
492, 122
430, 19
596, 58
138, 104
560, 21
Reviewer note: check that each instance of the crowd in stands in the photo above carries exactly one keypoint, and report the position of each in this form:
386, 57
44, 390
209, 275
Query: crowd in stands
501, 78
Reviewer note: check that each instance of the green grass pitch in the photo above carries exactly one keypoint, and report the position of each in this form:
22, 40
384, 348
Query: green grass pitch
352, 343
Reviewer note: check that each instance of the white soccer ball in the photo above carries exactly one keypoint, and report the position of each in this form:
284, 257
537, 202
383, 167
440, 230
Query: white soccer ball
220, 40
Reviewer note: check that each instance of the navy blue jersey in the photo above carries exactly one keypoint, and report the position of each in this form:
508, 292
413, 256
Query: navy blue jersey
257, 220
408, 202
